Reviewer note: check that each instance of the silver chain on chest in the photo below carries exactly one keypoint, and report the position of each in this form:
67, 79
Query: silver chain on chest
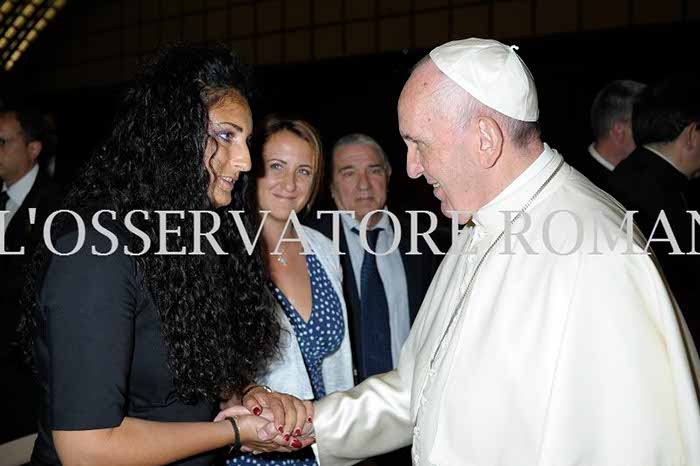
458, 308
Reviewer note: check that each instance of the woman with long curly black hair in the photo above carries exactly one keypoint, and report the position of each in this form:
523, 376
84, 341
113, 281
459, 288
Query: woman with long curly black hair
132, 349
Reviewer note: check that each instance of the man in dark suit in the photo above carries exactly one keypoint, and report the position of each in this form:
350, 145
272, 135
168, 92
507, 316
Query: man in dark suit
657, 178
384, 292
611, 122
23, 139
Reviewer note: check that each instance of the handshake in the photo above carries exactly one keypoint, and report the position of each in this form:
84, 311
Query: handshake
269, 421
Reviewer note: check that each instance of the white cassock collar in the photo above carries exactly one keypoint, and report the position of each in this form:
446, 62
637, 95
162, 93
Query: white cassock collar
514, 197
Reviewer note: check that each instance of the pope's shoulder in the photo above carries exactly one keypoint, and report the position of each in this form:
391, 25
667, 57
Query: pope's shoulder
578, 212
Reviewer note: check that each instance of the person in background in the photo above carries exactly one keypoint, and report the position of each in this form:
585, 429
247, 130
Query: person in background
657, 177
315, 346
611, 122
134, 350
25, 139
383, 291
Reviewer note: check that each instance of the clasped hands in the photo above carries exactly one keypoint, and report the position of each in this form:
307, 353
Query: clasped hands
270, 421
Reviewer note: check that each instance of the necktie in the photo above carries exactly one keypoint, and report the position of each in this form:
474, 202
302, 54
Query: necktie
375, 330
4, 197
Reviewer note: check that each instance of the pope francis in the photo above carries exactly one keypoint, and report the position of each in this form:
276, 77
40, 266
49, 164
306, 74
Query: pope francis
541, 342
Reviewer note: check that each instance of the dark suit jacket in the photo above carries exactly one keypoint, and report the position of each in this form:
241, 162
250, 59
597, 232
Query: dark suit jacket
419, 271
591, 169
18, 395
647, 183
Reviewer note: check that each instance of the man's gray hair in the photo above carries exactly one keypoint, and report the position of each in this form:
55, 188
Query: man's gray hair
613, 103
362, 139
461, 108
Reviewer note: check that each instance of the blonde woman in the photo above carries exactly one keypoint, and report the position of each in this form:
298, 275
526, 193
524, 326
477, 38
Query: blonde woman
314, 343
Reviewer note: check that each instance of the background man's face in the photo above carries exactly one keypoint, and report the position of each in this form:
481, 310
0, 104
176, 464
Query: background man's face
359, 179
17, 156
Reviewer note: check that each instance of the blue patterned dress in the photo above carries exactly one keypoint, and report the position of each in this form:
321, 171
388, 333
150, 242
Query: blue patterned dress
318, 338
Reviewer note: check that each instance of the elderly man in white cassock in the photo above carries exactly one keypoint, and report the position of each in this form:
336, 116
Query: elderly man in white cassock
553, 347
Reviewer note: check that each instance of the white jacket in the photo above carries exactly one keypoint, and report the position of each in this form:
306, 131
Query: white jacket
289, 374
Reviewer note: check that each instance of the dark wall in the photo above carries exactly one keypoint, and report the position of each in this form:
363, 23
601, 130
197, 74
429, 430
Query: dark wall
360, 94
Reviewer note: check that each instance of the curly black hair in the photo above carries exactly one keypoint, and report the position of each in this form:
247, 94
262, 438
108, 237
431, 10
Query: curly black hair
217, 315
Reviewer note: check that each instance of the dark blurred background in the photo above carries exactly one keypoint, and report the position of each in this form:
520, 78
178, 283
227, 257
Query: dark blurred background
339, 63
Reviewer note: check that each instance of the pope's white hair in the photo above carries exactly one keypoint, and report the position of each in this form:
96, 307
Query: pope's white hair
455, 103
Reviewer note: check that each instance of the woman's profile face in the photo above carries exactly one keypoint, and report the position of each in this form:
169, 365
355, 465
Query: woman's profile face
288, 175
226, 154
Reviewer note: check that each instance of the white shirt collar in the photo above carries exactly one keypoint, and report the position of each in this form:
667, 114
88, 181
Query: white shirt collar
19, 191
602, 160
651, 149
355, 222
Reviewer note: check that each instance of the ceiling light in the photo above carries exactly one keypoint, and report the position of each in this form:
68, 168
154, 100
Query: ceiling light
21, 21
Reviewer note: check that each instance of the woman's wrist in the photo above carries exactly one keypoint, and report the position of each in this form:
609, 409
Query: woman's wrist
236, 444
247, 430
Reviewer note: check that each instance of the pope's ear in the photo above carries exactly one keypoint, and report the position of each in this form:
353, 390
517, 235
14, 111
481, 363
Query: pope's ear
490, 141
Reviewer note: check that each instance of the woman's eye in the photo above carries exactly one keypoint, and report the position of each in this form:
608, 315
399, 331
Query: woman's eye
276, 166
305, 171
225, 136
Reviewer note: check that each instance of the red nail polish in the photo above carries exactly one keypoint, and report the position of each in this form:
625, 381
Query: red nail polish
281, 430
296, 444
310, 420
297, 432
286, 437
257, 411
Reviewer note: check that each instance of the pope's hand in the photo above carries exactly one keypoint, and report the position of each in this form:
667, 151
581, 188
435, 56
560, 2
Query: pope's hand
260, 435
292, 416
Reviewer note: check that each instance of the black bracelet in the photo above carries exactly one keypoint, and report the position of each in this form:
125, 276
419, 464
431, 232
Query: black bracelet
235, 448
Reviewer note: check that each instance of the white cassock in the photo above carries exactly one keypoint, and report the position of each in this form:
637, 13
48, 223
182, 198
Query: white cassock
573, 359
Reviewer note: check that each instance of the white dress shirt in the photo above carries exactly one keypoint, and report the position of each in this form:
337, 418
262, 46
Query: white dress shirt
393, 277
18, 192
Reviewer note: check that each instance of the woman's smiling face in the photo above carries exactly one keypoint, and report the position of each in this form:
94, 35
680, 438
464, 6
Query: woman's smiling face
226, 154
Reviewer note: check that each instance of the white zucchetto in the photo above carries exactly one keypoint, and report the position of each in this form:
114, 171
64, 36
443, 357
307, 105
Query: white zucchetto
492, 73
